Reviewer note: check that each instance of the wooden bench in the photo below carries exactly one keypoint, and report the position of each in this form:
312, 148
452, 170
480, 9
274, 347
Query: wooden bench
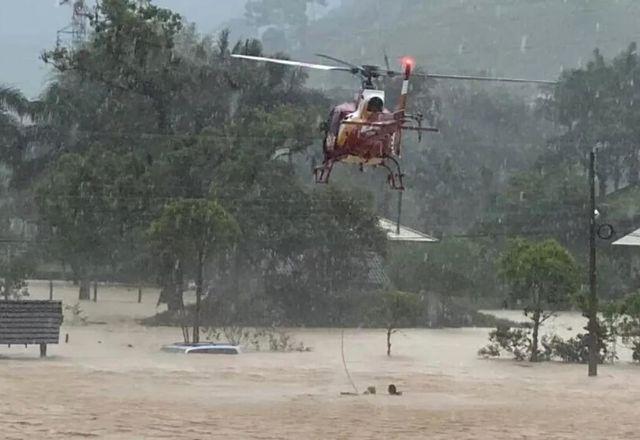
30, 323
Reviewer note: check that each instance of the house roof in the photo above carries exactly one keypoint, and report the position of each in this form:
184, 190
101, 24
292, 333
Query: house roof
406, 234
632, 239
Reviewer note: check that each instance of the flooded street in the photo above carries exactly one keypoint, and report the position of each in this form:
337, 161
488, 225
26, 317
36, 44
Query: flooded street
112, 381
351, 171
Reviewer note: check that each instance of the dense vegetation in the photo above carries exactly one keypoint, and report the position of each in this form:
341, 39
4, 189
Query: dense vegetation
150, 158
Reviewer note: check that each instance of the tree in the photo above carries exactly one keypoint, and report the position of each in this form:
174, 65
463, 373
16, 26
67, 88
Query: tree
89, 205
595, 106
325, 240
193, 231
13, 107
131, 51
452, 267
542, 274
398, 308
549, 200
14, 269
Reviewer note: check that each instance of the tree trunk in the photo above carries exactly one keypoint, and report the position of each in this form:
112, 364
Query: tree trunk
534, 338
199, 277
171, 290
85, 289
95, 291
176, 299
389, 331
171, 295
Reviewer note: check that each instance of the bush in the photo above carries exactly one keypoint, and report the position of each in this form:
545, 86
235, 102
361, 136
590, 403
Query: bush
518, 343
480, 319
503, 338
77, 316
576, 349
635, 347
271, 338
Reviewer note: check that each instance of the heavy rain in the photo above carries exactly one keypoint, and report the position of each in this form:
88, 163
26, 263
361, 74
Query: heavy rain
353, 219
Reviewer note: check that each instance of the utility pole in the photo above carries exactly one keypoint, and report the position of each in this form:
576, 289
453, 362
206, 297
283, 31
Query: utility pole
592, 303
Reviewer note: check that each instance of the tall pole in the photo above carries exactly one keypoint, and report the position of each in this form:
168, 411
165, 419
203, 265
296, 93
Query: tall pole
593, 296
399, 212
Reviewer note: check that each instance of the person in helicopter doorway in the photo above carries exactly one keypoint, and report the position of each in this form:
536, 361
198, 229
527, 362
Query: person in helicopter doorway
368, 111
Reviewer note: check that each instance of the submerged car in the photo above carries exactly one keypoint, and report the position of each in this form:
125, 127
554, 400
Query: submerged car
202, 348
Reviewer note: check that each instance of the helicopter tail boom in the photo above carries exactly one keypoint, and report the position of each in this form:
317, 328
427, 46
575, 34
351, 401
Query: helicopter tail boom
402, 103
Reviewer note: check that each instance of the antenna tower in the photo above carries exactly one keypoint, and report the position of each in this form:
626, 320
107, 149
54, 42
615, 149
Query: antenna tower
75, 33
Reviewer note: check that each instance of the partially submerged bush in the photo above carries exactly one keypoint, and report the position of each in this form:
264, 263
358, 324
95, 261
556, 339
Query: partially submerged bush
573, 350
279, 340
75, 315
635, 349
235, 335
269, 338
518, 343
628, 314
576, 349
504, 338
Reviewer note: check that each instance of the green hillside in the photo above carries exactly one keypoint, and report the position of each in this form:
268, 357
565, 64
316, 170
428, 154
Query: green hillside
535, 38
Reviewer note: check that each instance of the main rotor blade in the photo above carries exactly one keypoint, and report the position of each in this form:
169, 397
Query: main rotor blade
483, 78
292, 63
338, 60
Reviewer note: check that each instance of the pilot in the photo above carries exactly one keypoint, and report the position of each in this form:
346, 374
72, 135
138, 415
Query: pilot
369, 111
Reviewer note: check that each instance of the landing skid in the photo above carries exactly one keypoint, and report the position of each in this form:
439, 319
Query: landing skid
394, 178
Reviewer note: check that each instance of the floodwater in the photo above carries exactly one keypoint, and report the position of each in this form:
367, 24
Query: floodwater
111, 381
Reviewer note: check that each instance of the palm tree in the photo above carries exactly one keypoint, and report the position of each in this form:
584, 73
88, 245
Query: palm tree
13, 107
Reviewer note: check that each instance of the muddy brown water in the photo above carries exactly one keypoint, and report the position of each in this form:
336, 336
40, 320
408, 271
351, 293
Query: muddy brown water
111, 381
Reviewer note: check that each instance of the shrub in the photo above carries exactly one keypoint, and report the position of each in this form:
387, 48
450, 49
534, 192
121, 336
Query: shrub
77, 315
504, 338
518, 343
270, 338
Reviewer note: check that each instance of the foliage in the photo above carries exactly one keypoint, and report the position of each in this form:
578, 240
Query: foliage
190, 228
189, 233
77, 314
135, 43
624, 319
317, 250
397, 309
147, 112
576, 348
270, 338
543, 274
515, 341
89, 206
14, 270
519, 343
455, 267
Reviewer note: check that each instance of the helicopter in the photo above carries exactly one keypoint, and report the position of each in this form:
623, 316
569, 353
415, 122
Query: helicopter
365, 132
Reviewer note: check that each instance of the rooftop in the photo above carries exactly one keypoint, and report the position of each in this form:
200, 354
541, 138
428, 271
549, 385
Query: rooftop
406, 234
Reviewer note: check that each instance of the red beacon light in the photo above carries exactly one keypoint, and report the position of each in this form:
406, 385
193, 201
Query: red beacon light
408, 63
